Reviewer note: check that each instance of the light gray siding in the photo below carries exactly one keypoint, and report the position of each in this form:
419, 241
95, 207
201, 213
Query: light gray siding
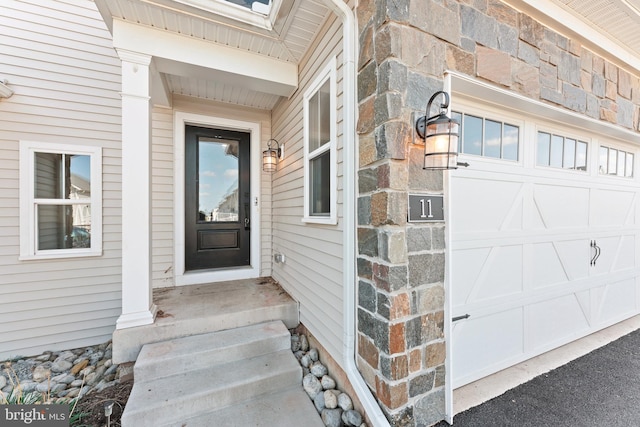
313, 272
58, 59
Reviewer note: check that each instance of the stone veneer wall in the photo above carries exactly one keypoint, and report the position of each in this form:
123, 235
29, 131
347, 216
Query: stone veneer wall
405, 48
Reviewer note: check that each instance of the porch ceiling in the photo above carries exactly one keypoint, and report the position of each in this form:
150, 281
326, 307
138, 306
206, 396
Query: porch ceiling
283, 36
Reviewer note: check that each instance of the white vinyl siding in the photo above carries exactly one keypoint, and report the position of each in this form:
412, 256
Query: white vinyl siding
313, 271
162, 197
57, 57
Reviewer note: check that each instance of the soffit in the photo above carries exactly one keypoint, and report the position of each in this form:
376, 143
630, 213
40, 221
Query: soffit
610, 28
289, 37
619, 19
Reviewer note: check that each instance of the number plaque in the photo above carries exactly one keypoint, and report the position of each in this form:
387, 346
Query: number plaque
426, 208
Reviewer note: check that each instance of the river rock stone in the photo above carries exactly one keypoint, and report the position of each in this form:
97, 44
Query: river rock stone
72, 392
311, 385
61, 365
352, 418
110, 369
330, 400
41, 373
345, 403
3, 382
45, 357
28, 386
67, 355
79, 366
328, 383
91, 378
56, 388
332, 417
318, 369
295, 343
44, 387
304, 343
305, 361
313, 354
64, 378
318, 402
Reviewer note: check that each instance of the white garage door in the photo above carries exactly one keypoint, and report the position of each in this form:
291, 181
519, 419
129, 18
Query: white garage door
544, 239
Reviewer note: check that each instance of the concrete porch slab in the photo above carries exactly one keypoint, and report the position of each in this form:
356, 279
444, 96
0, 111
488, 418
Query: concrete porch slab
198, 309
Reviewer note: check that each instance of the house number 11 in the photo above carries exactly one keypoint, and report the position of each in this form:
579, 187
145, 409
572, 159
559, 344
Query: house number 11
430, 215
425, 208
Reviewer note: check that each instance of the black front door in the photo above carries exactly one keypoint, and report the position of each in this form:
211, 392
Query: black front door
217, 198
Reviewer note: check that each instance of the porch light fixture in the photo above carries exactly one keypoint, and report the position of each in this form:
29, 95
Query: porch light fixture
5, 91
271, 156
440, 135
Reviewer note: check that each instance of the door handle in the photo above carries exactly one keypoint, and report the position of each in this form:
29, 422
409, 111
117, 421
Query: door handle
596, 255
246, 215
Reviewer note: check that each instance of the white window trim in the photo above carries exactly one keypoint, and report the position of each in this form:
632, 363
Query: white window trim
327, 73
28, 235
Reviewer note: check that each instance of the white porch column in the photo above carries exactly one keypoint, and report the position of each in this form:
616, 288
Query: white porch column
137, 304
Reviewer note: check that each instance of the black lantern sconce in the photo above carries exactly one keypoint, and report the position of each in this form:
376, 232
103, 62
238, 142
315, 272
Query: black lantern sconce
271, 156
440, 135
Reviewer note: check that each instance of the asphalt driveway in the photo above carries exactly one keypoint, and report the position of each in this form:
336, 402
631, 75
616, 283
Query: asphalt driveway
600, 389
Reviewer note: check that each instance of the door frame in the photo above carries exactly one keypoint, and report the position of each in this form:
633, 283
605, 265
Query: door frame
182, 277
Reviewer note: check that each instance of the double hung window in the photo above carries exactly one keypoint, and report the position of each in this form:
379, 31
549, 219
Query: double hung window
61, 200
320, 147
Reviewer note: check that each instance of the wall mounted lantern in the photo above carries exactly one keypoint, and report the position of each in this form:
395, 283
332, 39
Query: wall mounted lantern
440, 135
271, 156
5, 91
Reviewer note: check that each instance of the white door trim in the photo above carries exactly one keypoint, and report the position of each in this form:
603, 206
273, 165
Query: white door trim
215, 275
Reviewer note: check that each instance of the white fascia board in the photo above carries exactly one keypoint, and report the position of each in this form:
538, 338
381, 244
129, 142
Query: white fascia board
560, 19
268, 74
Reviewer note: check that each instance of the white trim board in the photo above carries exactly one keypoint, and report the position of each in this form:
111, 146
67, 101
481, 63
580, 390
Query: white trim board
192, 278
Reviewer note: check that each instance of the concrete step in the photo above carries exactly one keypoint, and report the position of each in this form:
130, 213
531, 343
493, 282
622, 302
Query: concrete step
201, 351
203, 309
219, 375
284, 409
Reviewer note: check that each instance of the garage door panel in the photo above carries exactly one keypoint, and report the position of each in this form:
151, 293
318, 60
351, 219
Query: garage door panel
562, 207
473, 260
485, 344
574, 256
486, 205
547, 269
610, 256
555, 321
626, 255
615, 301
499, 275
612, 208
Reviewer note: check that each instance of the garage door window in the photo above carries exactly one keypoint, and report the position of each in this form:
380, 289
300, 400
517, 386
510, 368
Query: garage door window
487, 138
615, 162
561, 152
